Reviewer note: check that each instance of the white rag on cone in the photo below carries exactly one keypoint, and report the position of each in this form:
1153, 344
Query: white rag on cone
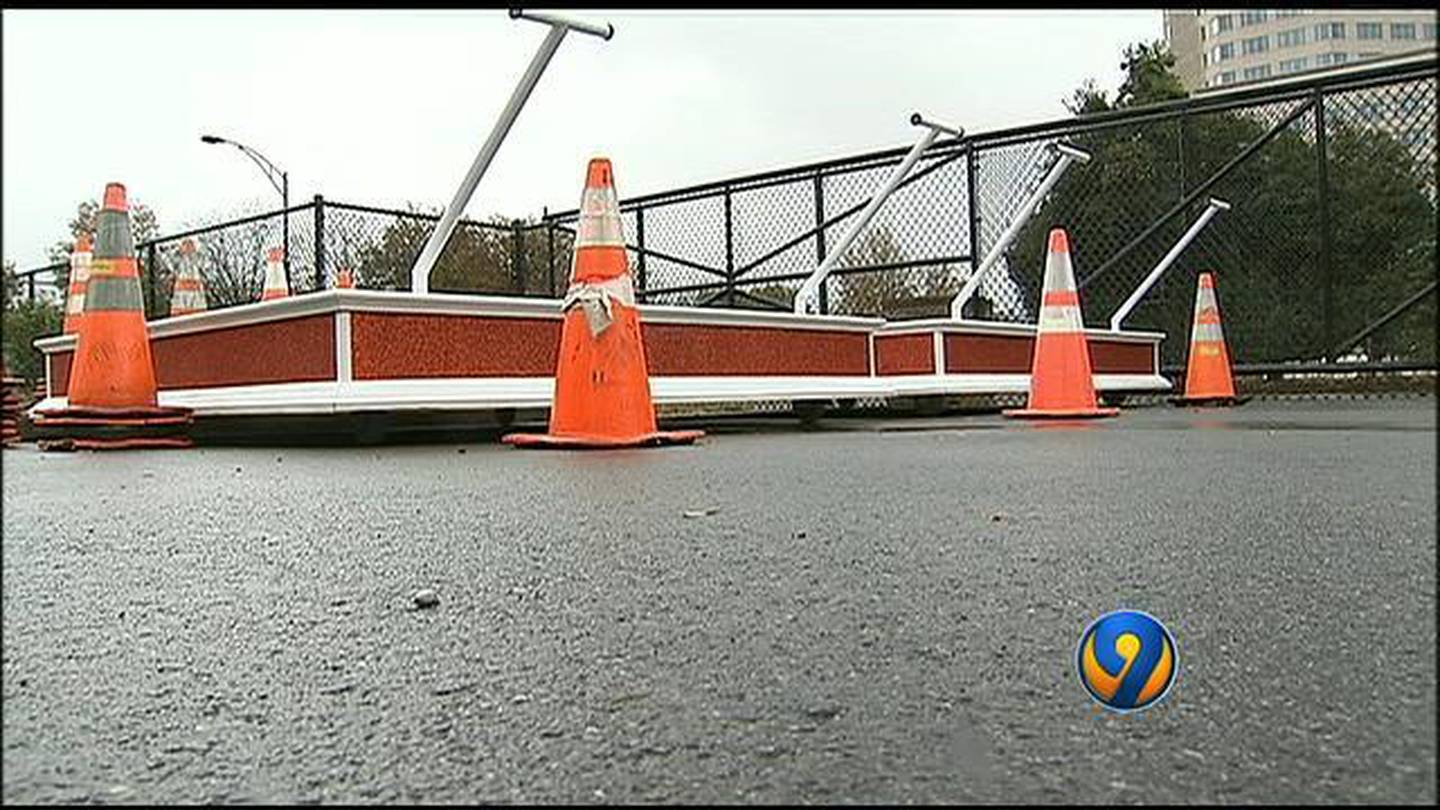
595, 297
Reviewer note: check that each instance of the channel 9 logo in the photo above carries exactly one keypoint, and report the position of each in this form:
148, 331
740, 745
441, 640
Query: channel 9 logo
1127, 660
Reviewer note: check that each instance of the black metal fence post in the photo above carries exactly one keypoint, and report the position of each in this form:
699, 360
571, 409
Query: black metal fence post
972, 165
31, 286
517, 251
150, 280
319, 242
820, 239
550, 257
1327, 287
1180, 130
729, 251
640, 254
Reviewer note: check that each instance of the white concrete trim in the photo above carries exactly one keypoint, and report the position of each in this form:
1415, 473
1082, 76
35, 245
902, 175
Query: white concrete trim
920, 384
434, 303
1131, 382
1004, 328
49, 387
343, 351
667, 390
923, 384
938, 353
279, 309
513, 307
483, 393
400, 302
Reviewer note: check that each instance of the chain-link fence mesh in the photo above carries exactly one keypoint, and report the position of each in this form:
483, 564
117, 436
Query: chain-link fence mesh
1326, 253
1332, 188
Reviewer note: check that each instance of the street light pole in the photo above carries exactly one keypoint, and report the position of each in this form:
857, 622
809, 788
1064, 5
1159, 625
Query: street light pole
270, 170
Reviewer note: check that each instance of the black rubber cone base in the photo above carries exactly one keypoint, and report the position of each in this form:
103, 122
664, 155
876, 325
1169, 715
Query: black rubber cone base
119, 429
546, 441
1209, 402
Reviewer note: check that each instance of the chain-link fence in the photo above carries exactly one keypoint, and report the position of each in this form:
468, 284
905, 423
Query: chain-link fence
1328, 252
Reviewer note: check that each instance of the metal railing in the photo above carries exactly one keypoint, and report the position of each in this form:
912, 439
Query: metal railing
1328, 253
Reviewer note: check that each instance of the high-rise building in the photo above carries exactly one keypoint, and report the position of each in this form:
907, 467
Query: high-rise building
1220, 47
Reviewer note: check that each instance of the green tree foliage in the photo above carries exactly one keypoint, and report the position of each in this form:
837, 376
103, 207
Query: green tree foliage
1149, 79
1149, 76
143, 227
897, 293
782, 295
12, 283
477, 259
1266, 251
875, 293
24, 322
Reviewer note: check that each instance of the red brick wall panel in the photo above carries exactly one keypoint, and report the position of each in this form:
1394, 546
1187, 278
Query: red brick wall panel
60, 373
988, 354
396, 346
294, 350
684, 350
904, 354
1114, 357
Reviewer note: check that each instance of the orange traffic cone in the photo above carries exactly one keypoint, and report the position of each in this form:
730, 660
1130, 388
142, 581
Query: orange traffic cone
189, 295
344, 279
1208, 380
80, 259
112, 398
602, 387
275, 284
1060, 381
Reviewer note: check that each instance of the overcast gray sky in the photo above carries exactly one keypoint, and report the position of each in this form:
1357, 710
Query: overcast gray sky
382, 107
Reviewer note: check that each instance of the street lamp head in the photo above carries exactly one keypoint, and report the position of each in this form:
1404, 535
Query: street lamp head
211, 139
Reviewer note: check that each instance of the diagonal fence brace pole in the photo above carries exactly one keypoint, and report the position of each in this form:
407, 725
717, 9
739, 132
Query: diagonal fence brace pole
1068, 154
805, 298
420, 273
1215, 206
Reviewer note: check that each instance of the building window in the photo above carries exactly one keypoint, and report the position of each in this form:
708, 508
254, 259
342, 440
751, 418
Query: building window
1288, 12
1291, 38
1222, 23
1334, 30
1369, 31
1402, 30
1330, 59
1427, 31
1294, 65
1258, 72
1255, 45
1253, 17
1223, 52
1228, 77
1370, 55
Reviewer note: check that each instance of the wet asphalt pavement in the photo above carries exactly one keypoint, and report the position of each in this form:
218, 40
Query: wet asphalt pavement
883, 611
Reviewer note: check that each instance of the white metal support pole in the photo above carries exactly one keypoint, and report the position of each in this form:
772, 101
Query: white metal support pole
805, 298
1068, 154
1215, 207
420, 273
